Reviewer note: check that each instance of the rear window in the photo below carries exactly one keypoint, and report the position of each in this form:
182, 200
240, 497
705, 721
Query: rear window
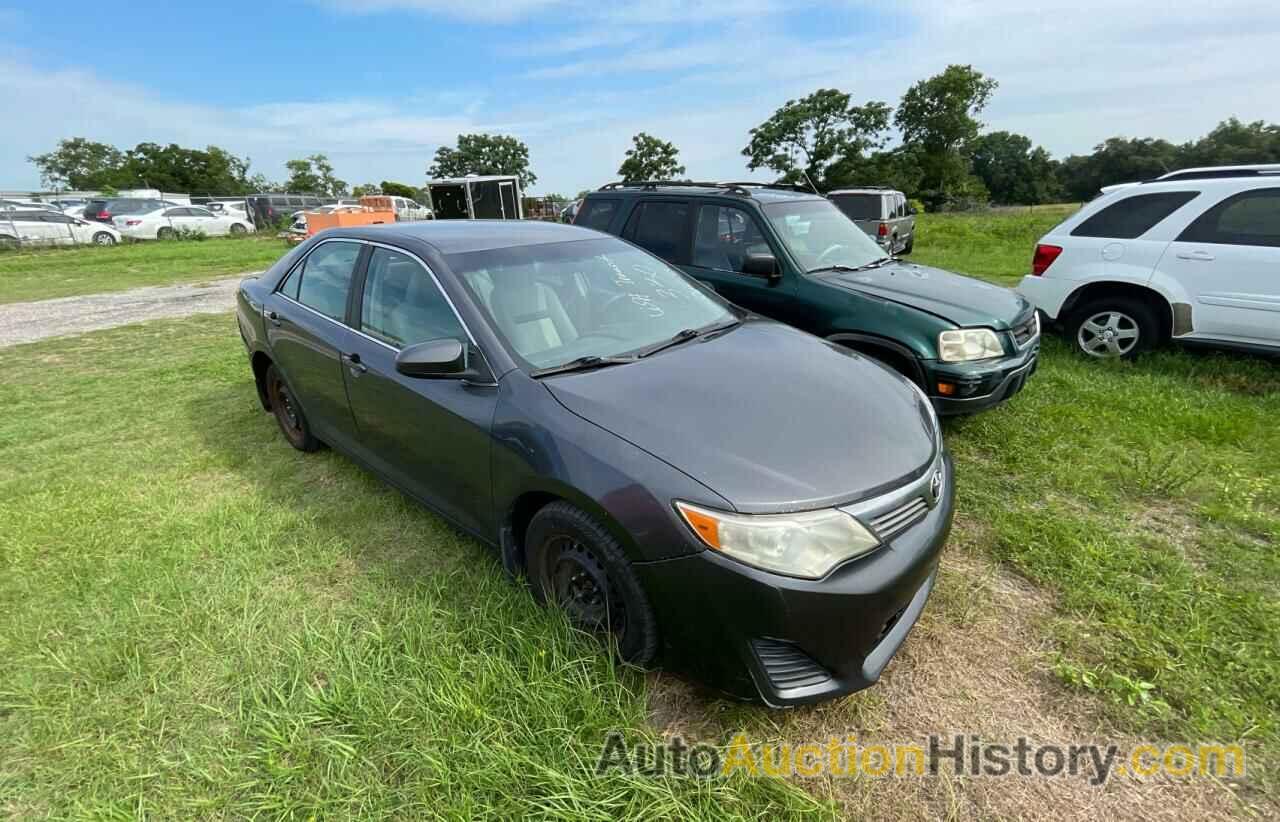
1133, 216
859, 206
597, 214
663, 228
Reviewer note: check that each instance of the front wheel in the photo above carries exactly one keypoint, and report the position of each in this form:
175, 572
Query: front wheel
1114, 328
103, 238
575, 564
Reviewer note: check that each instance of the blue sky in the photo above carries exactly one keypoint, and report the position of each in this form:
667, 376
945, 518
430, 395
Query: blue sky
379, 85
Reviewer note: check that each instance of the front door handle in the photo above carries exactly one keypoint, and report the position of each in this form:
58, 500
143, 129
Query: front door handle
1200, 256
274, 318
353, 362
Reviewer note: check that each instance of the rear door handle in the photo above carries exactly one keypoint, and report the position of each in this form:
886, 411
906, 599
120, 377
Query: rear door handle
1202, 256
353, 362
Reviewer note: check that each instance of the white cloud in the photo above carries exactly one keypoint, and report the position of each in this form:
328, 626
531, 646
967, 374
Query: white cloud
1071, 74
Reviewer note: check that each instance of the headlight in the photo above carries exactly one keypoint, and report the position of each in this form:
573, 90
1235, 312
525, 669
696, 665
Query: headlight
806, 544
969, 344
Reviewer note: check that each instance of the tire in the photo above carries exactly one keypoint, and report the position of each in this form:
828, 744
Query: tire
164, 233
1114, 328
293, 423
8, 242
911, 243
237, 229
576, 564
103, 238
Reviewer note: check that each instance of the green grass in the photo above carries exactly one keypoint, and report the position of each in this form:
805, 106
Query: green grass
994, 245
199, 621
65, 272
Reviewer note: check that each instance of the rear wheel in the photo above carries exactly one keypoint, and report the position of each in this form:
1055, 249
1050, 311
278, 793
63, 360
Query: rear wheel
236, 228
288, 414
578, 566
911, 243
164, 233
103, 238
8, 242
1114, 328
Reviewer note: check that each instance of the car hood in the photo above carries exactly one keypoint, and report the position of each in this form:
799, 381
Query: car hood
964, 301
769, 417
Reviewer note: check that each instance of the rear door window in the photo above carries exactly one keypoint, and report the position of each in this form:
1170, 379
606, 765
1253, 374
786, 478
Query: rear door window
859, 206
597, 214
1133, 216
326, 278
662, 227
1248, 218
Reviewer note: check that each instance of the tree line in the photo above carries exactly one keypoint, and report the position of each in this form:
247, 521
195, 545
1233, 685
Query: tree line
825, 140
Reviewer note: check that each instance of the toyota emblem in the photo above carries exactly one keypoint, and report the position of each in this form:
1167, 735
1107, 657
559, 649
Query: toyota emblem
935, 487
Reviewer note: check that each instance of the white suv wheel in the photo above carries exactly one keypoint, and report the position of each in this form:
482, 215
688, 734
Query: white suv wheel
1108, 334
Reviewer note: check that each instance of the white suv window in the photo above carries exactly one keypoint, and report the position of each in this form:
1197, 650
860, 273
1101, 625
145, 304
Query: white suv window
1248, 218
1133, 216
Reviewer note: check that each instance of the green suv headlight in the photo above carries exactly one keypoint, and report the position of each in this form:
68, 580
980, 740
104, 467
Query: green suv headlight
805, 544
967, 344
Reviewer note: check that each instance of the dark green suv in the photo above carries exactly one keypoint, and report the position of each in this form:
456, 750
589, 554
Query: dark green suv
795, 257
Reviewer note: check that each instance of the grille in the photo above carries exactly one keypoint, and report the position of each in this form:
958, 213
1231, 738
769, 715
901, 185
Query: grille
1025, 333
787, 666
900, 518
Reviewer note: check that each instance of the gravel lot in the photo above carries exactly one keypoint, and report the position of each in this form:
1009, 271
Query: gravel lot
28, 322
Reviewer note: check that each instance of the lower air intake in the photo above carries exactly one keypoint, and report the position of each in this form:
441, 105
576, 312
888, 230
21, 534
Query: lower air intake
787, 666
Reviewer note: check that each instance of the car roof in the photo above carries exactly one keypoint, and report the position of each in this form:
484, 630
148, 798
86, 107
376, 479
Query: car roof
1198, 184
865, 190
462, 236
736, 191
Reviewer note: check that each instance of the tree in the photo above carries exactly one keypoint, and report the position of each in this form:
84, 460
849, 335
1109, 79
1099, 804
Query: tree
174, 168
484, 154
366, 190
79, 163
1013, 171
805, 139
1235, 143
1117, 160
314, 175
398, 190
937, 115
650, 159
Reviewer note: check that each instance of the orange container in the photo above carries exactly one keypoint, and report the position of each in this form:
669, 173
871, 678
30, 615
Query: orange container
319, 222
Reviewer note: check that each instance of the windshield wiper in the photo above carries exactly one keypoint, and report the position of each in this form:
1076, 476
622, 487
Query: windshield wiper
876, 263
580, 364
684, 335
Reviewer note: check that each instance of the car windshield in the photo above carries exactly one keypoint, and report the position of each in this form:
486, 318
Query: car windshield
820, 236
559, 302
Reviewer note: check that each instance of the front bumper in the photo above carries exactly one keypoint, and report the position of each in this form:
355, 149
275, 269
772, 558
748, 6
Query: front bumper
792, 641
980, 385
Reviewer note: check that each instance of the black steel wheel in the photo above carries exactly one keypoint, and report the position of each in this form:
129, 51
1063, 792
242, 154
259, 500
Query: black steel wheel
575, 564
288, 414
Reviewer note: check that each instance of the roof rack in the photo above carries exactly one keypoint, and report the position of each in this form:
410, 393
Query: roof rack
653, 184
1218, 172
778, 186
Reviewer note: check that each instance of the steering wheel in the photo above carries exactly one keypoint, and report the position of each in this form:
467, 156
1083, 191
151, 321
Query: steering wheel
611, 304
822, 258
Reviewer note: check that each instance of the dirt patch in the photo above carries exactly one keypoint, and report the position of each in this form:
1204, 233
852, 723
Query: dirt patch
976, 664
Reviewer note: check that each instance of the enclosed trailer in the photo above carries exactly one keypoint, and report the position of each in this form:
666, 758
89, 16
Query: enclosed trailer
492, 197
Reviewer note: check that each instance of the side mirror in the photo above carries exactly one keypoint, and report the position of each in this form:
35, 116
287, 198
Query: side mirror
764, 266
433, 359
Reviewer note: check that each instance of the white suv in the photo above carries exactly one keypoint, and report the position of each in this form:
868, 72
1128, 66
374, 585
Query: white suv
1193, 256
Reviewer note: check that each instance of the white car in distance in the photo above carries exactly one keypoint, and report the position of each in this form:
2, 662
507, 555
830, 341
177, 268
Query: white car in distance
167, 223
43, 227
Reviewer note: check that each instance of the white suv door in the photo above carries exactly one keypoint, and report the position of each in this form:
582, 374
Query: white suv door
1228, 260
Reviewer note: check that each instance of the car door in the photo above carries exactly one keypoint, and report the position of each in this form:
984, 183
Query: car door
430, 436
723, 236
205, 221
1228, 259
307, 334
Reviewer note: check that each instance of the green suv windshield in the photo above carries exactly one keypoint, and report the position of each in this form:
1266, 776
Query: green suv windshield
821, 237
562, 302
